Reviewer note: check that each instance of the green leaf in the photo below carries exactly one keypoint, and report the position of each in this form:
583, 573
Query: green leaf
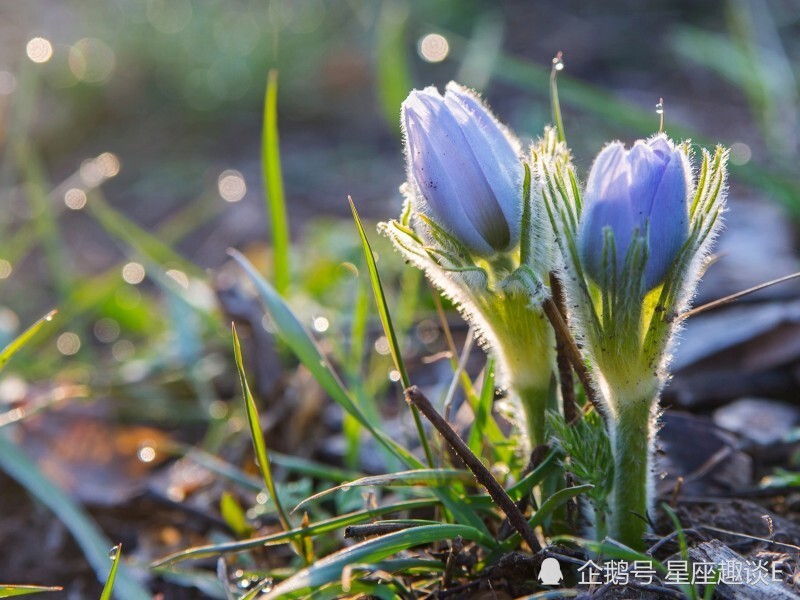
273, 185
418, 477
330, 568
388, 328
8, 591
257, 435
24, 338
299, 339
112, 574
233, 515
483, 411
294, 464
526, 484
356, 589
87, 534
320, 528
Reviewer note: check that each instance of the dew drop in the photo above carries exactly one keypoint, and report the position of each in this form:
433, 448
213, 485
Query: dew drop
345, 488
112, 554
558, 62
660, 107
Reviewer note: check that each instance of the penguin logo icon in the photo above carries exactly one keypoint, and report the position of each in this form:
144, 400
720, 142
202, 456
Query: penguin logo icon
550, 573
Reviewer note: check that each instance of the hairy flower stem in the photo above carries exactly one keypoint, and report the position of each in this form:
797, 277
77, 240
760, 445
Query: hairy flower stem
534, 403
632, 436
523, 343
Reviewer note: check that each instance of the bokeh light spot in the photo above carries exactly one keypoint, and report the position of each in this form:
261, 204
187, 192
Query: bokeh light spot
5, 269
740, 153
39, 50
231, 186
382, 345
108, 163
68, 343
133, 273
433, 48
147, 453
75, 199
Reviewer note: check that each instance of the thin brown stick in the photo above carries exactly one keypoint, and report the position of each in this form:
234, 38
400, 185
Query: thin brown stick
734, 297
571, 412
416, 398
573, 354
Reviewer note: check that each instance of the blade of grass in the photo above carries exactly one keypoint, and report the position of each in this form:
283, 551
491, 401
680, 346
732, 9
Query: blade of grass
320, 528
85, 531
294, 464
388, 328
356, 589
9, 591
112, 574
689, 590
259, 443
24, 338
302, 343
418, 477
330, 568
273, 185
483, 411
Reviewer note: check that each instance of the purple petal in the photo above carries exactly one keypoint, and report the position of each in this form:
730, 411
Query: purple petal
613, 213
669, 219
646, 170
606, 169
496, 152
450, 178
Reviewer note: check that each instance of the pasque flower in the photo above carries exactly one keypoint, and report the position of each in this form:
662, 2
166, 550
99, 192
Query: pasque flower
641, 247
465, 166
467, 201
636, 192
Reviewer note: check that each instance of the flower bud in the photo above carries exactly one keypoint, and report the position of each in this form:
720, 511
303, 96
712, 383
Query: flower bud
464, 168
637, 192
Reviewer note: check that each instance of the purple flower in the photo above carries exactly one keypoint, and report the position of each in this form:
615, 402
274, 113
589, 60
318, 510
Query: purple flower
465, 167
641, 191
